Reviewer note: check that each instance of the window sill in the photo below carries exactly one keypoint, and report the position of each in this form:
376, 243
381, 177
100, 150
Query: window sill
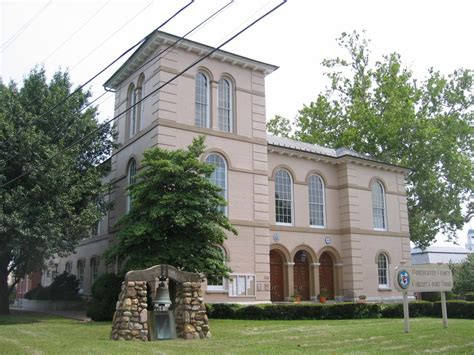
385, 288
217, 291
284, 224
380, 229
317, 227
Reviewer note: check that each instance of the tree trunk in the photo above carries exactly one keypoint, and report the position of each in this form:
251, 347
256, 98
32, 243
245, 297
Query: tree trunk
4, 289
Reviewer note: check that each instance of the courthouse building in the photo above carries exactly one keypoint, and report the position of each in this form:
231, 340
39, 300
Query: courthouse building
309, 217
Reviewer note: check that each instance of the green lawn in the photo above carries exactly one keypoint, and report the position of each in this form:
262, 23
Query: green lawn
26, 333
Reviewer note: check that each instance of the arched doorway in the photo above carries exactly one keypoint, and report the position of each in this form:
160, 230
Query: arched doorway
326, 274
277, 291
301, 274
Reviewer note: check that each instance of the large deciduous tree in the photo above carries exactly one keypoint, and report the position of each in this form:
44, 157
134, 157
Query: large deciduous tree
57, 199
175, 216
382, 110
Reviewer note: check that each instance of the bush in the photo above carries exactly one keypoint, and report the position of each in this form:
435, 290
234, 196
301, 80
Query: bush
456, 309
65, 287
222, 310
294, 311
436, 296
105, 292
469, 296
416, 309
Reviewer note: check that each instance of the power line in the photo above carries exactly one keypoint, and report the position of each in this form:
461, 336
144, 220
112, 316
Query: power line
60, 103
106, 123
76, 31
160, 53
22, 29
168, 48
113, 34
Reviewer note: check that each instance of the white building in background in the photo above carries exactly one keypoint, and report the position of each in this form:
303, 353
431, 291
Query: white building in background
434, 254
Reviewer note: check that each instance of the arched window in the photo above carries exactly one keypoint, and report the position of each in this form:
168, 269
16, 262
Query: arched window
140, 90
224, 105
68, 267
94, 268
382, 269
219, 176
131, 179
202, 118
283, 197
132, 113
218, 283
317, 210
81, 265
378, 206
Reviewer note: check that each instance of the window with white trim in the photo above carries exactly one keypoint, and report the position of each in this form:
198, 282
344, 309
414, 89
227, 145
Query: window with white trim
131, 179
283, 197
81, 265
378, 206
219, 176
202, 97
218, 283
68, 267
241, 285
94, 268
382, 270
317, 210
132, 100
224, 105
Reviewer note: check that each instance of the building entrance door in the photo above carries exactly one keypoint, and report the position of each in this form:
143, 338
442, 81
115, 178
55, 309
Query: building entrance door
277, 293
301, 274
326, 274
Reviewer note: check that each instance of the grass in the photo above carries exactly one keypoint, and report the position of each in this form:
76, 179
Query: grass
27, 333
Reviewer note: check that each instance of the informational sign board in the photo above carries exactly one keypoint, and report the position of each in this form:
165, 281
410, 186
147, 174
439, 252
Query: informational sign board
424, 278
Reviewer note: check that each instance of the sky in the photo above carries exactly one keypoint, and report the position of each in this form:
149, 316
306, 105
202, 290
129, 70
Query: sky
85, 36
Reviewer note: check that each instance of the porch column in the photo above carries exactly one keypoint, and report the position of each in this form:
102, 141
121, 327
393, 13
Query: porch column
315, 281
338, 280
291, 280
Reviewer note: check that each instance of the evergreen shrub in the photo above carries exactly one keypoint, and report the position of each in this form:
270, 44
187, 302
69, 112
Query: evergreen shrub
105, 292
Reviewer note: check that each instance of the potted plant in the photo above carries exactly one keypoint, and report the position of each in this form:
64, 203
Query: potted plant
297, 295
323, 293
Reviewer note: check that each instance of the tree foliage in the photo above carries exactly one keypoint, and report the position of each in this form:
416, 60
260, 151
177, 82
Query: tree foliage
463, 275
54, 204
382, 110
175, 217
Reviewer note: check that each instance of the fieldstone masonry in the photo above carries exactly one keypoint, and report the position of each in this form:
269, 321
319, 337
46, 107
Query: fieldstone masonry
190, 312
132, 320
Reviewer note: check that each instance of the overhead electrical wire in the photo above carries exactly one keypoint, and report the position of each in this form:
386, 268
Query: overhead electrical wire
106, 123
60, 103
76, 31
22, 29
111, 35
160, 54
180, 39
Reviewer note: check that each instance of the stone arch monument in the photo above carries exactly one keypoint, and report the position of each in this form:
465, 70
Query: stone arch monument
133, 321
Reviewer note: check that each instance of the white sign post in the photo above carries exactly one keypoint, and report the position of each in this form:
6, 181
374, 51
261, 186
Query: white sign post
423, 278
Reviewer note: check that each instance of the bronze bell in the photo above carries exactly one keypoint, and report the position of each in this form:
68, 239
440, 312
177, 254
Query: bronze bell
162, 299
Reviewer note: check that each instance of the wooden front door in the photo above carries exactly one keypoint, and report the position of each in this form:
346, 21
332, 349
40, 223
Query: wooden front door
277, 292
301, 274
326, 274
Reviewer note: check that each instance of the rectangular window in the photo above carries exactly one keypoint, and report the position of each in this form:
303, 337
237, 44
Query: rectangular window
242, 285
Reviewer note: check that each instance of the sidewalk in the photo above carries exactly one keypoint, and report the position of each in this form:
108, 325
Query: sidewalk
77, 315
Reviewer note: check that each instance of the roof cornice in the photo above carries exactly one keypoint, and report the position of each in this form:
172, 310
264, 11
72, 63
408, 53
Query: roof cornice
343, 159
158, 38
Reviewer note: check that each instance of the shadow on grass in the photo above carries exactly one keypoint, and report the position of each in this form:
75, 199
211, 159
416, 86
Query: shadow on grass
23, 317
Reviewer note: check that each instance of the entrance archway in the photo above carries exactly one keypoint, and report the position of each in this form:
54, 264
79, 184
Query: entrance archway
301, 274
277, 284
326, 274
